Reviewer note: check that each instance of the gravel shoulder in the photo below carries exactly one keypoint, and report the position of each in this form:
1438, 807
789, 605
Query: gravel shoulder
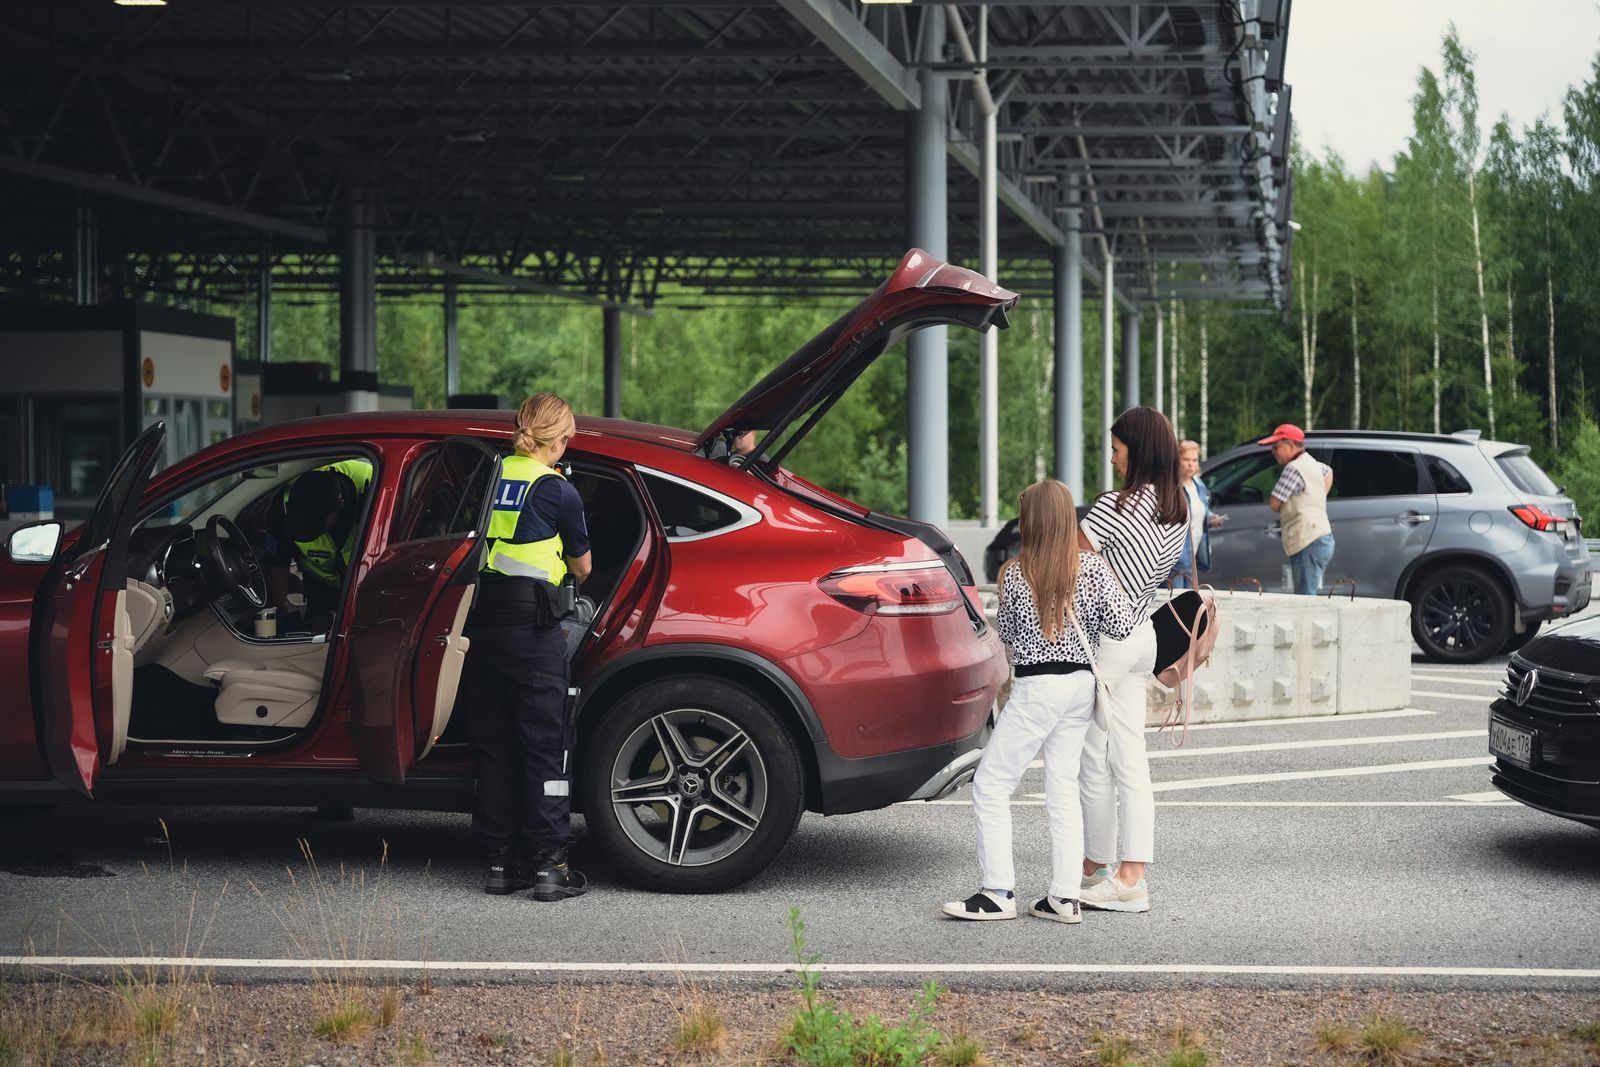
194, 1021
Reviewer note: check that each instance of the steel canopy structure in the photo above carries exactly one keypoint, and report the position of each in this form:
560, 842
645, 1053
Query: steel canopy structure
629, 153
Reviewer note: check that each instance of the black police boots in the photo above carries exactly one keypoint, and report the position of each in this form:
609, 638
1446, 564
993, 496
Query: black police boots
507, 871
555, 879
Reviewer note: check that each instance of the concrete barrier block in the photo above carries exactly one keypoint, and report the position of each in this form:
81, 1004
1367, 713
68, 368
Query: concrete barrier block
1244, 692
1244, 635
1324, 632
1374, 655
1283, 690
1283, 634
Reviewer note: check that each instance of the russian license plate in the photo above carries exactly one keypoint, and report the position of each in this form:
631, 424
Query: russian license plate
1511, 742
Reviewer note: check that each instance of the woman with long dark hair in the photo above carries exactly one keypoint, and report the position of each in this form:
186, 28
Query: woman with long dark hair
1139, 530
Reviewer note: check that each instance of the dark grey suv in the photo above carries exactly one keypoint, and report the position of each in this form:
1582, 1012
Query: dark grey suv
1471, 532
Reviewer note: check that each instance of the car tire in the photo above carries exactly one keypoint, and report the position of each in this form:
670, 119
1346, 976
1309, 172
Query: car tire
714, 820
1517, 641
1459, 614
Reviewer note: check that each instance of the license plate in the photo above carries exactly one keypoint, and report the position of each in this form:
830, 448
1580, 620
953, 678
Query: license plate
1511, 742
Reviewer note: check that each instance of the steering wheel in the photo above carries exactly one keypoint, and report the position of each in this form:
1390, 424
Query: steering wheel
232, 564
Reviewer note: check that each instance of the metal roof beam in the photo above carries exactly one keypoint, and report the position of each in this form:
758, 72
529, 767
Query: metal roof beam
513, 281
837, 28
188, 205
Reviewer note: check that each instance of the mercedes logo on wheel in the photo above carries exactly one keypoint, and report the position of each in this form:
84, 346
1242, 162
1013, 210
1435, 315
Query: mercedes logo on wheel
1526, 686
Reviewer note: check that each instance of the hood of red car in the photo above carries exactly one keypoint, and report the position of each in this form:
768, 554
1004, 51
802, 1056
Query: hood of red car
922, 292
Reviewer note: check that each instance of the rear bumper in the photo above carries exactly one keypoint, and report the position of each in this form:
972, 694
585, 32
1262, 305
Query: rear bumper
1555, 592
930, 773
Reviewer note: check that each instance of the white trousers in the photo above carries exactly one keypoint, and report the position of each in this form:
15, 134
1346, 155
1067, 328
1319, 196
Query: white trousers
1049, 712
1116, 771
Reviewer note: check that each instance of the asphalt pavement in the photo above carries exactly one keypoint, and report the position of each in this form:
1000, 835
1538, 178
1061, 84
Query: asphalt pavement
1349, 851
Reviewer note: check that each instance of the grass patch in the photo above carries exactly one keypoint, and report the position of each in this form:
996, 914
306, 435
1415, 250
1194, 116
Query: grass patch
700, 1030
345, 1020
1388, 1040
1588, 1033
821, 1034
1024, 1037
1186, 1056
962, 1049
1111, 1050
492, 1040
10, 1049
415, 1049
563, 1057
389, 1007
1330, 1036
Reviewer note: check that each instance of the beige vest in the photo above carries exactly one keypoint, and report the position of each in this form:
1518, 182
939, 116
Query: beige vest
1305, 515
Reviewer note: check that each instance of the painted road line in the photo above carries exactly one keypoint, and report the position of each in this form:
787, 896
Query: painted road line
1298, 720
1321, 742
207, 963
1493, 796
1336, 772
1033, 800
1475, 683
1448, 696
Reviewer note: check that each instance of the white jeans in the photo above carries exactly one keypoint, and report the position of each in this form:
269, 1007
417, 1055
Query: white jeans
1115, 767
1048, 711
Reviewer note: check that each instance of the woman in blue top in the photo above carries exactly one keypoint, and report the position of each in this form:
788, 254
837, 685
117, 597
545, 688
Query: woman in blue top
1202, 520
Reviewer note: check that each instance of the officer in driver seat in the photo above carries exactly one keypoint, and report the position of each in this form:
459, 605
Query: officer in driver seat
314, 525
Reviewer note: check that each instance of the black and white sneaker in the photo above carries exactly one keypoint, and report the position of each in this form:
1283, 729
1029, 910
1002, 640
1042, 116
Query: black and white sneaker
1047, 907
982, 905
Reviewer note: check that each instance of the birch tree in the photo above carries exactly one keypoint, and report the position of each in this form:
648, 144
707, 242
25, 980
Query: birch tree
1461, 94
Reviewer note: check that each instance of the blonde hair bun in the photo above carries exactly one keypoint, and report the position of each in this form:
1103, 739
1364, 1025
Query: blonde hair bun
541, 419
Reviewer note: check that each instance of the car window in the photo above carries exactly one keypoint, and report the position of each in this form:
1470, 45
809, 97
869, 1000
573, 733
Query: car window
1374, 472
1246, 480
685, 511
1446, 479
1526, 475
443, 493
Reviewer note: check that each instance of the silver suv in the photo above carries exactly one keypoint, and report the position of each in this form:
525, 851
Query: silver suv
1471, 532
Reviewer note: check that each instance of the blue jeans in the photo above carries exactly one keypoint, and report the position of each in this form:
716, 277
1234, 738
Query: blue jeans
1309, 563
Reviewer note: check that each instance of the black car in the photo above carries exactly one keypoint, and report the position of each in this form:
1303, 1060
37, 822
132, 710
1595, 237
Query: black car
1544, 728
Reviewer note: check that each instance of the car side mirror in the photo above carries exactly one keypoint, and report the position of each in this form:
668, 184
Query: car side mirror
35, 543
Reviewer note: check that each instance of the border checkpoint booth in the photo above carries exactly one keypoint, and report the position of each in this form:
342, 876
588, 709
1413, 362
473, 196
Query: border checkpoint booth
78, 382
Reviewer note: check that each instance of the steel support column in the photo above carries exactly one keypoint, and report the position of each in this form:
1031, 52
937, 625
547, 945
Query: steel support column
264, 303
989, 340
927, 351
358, 309
1108, 293
1130, 360
613, 362
1069, 349
86, 256
1161, 399
452, 341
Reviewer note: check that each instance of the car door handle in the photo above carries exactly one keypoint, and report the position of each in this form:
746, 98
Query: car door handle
1411, 518
1275, 528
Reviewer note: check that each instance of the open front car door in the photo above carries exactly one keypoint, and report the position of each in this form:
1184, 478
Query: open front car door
85, 652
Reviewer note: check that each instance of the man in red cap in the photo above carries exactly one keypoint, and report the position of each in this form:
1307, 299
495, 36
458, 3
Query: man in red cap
1301, 500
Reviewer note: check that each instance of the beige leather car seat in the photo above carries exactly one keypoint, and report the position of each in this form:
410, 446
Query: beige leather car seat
283, 693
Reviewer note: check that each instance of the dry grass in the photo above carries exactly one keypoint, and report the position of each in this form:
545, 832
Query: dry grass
1330, 1036
1589, 1034
344, 1021
389, 1006
1111, 1050
961, 1049
415, 1049
1388, 1040
701, 1031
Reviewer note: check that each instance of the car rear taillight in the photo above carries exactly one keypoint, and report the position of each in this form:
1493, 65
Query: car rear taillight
895, 591
1537, 518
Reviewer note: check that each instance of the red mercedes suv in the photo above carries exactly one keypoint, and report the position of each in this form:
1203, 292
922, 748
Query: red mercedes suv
755, 646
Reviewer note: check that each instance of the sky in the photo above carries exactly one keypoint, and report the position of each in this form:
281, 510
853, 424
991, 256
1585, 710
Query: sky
1354, 64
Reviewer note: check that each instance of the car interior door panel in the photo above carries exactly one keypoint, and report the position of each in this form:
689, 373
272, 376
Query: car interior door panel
451, 651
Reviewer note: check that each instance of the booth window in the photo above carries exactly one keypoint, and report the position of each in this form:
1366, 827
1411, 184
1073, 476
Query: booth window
76, 442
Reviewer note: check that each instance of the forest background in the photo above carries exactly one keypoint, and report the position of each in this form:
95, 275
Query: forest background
1457, 287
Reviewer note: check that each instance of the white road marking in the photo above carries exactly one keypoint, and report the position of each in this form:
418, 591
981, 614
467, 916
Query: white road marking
1321, 742
576, 967
1448, 696
1440, 679
1493, 796
1034, 800
1336, 772
1298, 720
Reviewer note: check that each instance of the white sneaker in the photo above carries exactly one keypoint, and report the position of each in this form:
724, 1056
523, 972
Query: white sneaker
1047, 908
1112, 895
1091, 880
982, 906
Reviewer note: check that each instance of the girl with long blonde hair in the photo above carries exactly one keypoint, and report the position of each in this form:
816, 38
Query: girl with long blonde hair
1056, 603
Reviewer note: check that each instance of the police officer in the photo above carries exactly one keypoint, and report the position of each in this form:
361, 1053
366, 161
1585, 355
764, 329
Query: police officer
315, 526
514, 682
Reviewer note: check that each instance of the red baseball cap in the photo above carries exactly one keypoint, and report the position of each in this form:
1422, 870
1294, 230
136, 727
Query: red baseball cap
1287, 431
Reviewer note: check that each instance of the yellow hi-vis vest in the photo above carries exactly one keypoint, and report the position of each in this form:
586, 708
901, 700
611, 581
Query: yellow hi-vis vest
530, 559
323, 558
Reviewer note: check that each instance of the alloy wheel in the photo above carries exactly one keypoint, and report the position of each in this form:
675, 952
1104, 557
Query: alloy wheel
1458, 615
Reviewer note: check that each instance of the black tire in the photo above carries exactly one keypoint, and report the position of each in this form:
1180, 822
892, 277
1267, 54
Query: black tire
1517, 641
655, 843
1459, 615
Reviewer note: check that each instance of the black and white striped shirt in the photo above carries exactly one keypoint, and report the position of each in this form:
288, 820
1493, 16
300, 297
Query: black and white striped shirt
1097, 602
1139, 550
